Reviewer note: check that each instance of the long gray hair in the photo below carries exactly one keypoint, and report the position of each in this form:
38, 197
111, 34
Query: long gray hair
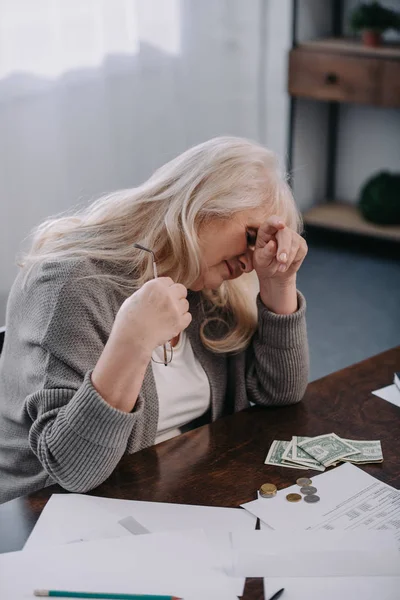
215, 179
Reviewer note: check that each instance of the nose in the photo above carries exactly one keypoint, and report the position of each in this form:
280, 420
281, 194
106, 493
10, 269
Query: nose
246, 261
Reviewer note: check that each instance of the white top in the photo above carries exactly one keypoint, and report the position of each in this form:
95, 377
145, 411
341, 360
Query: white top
183, 389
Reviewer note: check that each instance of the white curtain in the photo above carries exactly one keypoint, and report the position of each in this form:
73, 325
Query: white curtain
95, 94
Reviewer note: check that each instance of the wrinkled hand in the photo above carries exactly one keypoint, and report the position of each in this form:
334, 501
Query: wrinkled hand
279, 251
156, 313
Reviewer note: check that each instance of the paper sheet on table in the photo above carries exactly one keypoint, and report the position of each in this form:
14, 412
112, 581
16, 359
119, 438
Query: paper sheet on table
175, 563
69, 518
334, 588
391, 393
315, 553
216, 521
350, 500
64, 516
164, 516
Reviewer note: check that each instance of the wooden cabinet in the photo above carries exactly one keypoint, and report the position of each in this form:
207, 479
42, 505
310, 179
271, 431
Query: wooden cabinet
325, 76
390, 83
344, 71
339, 70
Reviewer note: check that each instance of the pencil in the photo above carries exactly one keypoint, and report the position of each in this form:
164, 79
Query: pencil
64, 594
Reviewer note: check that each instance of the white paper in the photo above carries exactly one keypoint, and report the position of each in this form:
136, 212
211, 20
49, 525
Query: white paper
391, 393
217, 522
334, 588
164, 516
73, 517
69, 518
315, 553
175, 563
350, 499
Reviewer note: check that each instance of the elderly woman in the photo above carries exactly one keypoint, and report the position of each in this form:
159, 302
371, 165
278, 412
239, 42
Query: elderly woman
101, 358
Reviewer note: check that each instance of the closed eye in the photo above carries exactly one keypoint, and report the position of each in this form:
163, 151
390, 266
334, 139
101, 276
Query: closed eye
251, 236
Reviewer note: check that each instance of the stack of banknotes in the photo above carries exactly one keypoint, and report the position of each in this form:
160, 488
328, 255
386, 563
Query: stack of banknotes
322, 451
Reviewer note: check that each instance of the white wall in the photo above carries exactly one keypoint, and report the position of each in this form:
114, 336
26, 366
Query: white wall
309, 139
274, 99
102, 129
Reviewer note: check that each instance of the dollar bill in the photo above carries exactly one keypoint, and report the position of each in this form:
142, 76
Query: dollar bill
367, 452
297, 455
275, 455
287, 456
328, 448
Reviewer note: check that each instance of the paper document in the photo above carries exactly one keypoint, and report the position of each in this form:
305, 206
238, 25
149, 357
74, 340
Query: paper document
334, 588
350, 499
174, 563
69, 518
217, 522
391, 393
165, 516
315, 553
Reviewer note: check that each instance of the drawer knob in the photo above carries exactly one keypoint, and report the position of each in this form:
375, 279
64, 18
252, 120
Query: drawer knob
331, 78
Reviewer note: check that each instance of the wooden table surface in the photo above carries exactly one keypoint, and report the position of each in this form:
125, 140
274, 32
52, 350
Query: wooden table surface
222, 464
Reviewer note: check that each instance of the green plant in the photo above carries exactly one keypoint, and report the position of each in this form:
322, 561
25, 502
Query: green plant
380, 199
375, 17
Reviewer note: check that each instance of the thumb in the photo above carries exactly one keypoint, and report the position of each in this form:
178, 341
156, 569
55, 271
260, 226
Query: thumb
264, 256
269, 249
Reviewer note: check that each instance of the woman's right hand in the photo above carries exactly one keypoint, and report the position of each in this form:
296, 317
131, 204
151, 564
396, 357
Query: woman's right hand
156, 313
150, 317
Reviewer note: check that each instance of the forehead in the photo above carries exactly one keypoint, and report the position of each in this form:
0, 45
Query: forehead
247, 219
252, 217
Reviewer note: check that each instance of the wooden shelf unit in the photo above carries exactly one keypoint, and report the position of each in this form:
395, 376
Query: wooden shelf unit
336, 70
341, 70
347, 218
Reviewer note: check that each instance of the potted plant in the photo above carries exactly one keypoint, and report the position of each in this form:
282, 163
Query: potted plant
380, 199
373, 19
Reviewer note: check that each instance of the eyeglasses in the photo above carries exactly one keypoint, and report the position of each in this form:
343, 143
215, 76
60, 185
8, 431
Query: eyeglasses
168, 350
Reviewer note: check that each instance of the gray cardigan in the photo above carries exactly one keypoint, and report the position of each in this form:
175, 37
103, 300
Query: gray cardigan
55, 427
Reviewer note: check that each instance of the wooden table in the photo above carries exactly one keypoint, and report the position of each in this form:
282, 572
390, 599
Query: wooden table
222, 464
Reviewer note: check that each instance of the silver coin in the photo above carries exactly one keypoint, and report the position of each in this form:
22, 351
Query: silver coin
311, 498
301, 481
309, 489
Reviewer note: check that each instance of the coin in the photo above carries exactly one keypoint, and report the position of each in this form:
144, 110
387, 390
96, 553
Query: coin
293, 497
267, 490
302, 481
312, 498
309, 489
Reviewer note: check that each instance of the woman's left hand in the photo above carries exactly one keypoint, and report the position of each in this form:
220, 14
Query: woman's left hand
278, 254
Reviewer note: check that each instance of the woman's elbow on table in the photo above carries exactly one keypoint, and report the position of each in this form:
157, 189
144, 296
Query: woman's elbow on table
79, 471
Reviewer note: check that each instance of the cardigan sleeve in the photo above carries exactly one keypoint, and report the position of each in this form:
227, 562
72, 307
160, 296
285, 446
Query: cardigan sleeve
277, 360
75, 434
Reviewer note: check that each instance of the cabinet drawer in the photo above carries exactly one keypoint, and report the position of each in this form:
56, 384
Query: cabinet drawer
391, 83
335, 77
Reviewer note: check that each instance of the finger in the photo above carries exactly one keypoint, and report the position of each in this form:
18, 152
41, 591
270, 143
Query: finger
291, 257
301, 252
167, 281
183, 306
268, 253
268, 229
276, 222
284, 238
270, 249
186, 320
179, 291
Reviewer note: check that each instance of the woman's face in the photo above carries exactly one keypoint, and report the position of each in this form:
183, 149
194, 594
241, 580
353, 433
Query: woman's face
227, 248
